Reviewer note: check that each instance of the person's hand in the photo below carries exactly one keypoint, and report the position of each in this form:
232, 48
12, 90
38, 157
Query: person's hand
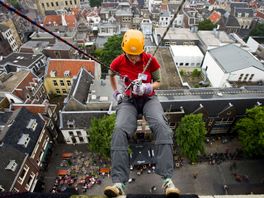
118, 96
141, 89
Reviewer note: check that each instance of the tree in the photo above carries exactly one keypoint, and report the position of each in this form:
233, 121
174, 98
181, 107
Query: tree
251, 131
95, 3
14, 3
206, 25
112, 48
258, 30
190, 136
100, 133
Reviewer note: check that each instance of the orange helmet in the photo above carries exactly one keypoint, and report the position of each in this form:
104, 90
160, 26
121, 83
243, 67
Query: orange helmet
133, 42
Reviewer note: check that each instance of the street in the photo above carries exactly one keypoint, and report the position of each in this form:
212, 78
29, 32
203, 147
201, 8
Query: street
202, 178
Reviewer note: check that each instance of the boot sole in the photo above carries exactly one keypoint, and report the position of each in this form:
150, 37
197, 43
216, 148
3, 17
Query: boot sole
109, 192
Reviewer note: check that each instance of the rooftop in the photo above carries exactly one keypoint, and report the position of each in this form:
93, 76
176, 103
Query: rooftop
11, 80
20, 59
72, 65
177, 34
214, 38
186, 50
232, 58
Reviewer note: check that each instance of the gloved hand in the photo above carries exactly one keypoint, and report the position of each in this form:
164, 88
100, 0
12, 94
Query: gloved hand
140, 89
118, 96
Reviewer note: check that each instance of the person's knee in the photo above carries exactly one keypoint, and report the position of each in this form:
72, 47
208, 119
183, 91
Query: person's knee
119, 140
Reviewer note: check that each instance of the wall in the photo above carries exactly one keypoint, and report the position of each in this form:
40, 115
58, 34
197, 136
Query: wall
69, 138
214, 72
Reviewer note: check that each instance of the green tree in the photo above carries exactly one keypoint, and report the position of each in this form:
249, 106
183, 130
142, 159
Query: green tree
206, 25
258, 30
112, 48
251, 131
100, 133
95, 3
196, 73
190, 136
14, 3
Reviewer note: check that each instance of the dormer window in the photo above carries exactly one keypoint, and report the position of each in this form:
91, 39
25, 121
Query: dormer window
12, 165
2, 189
67, 73
32, 124
24, 140
71, 123
52, 73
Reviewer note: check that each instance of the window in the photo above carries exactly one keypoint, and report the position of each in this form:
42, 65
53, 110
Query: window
32, 124
61, 82
55, 83
57, 4
246, 76
58, 91
30, 181
47, 5
240, 77
181, 64
70, 123
81, 139
70, 2
70, 133
66, 3
79, 133
251, 77
75, 2
64, 91
52, 4
23, 174
12, 165
68, 82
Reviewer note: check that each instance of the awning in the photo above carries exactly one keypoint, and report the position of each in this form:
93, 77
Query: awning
62, 172
67, 155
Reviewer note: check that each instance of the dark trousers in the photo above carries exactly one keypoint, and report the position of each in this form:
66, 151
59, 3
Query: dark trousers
126, 125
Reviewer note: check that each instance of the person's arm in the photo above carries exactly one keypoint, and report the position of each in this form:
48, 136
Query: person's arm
113, 81
156, 79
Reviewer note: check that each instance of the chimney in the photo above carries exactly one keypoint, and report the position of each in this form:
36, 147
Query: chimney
63, 20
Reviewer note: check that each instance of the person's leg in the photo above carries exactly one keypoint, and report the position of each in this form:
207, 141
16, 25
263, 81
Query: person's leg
156, 119
158, 124
126, 124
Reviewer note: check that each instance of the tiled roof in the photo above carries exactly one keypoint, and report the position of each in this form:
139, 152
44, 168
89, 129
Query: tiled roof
21, 90
8, 153
12, 133
260, 14
57, 19
215, 17
39, 108
74, 66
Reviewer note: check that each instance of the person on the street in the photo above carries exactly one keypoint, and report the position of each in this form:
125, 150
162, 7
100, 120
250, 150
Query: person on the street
139, 98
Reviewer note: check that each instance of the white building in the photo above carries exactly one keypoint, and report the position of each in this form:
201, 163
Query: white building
230, 63
186, 55
146, 27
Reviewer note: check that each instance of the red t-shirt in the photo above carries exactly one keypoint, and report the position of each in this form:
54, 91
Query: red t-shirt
124, 67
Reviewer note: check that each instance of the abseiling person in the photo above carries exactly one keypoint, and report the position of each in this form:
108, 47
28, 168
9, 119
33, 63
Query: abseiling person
139, 99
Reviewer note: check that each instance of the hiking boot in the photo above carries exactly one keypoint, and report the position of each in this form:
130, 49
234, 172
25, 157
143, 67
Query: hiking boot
170, 189
116, 190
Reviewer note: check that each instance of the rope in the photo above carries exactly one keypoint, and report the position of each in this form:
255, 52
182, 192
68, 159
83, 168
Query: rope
56, 36
88, 55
